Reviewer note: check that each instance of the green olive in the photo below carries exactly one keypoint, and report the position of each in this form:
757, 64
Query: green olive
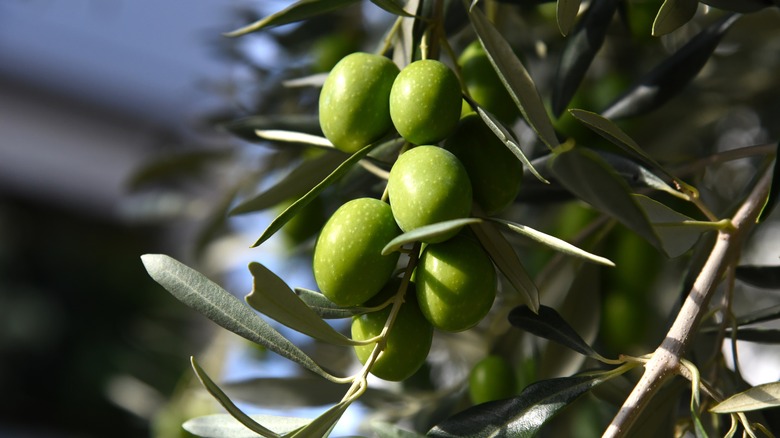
484, 85
428, 184
494, 171
492, 378
354, 108
348, 265
425, 102
408, 341
456, 283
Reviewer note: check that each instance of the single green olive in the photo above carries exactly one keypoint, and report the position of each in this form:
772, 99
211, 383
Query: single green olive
494, 171
348, 265
484, 85
492, 378
425, 102
408, 341
354, 108
428, 184
456, 283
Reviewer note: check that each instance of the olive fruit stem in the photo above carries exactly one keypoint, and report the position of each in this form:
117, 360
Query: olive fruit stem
391, 34
359, 380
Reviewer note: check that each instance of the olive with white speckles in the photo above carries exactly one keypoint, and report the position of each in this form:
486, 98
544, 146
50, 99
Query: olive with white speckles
348, 265
354, 101
427, 185
425, 102
456, 283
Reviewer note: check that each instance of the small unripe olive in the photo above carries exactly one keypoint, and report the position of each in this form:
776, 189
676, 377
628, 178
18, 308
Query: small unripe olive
456, 283
354, 101
492, 378
428, 184
408, 341
348, 265
484, 85
494, 171
425, 102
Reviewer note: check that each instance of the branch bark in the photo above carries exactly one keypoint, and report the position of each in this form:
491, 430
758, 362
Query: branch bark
665, 361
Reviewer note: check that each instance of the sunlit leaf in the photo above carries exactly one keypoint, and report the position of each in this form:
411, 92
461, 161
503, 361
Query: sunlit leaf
226, 403
552, 242
506, 137
322, 425
670, 76
548, 324
295, 137
515, 77
742, 6
299, 181
225, 426
326, 308
587, 176
673, 14
765, 277
518, 417
678, 232
296, 206
426, 232
774, 191
566, 14
581, 47
271, 296
195, 290
758, 397
505, 258
246, 127
298, 11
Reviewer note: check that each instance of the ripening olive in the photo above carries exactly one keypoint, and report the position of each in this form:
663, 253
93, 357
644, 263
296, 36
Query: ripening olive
484, 85
428, 184
408, 341
494, 171
348, 265
425, 102
492, 378
354, 101
456, 283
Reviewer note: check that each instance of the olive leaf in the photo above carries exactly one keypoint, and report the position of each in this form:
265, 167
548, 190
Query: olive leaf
395, 7
299, 181
198, 292
758, 397
774, 190
757, 335
298, 11
765, 277
742, 6
296, 206
279, 135
580, 50
520, 416
322, 425
552, 242
389, 430
225, 426
189, 163
505, 258
514, 77
271, 296
670, 76
673, 14
426, 232
566, 15
326, 308
762, 315
548, 324
676, 231
247, 127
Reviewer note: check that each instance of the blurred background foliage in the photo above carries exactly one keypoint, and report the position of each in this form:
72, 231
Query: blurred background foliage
90, 346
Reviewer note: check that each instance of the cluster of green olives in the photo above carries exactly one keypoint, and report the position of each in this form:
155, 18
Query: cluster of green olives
364, 97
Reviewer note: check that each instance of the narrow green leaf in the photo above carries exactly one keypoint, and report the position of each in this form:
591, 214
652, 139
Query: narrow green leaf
586, 175
395, 7
506, 137
426, 232
322, 425
757, 335
389, 430
271, 296
505, 258
774, 190
635, 174
765, 277
677, 232
293, 209
325, 308
741, 6
246, 127
580, 50
226, 403
673, 14
295, 137
669, 77
515, 77
548, 324
302, 179
758, 397
195, 290
298, 11
519, 417
552, 242
225, 426
566, 14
